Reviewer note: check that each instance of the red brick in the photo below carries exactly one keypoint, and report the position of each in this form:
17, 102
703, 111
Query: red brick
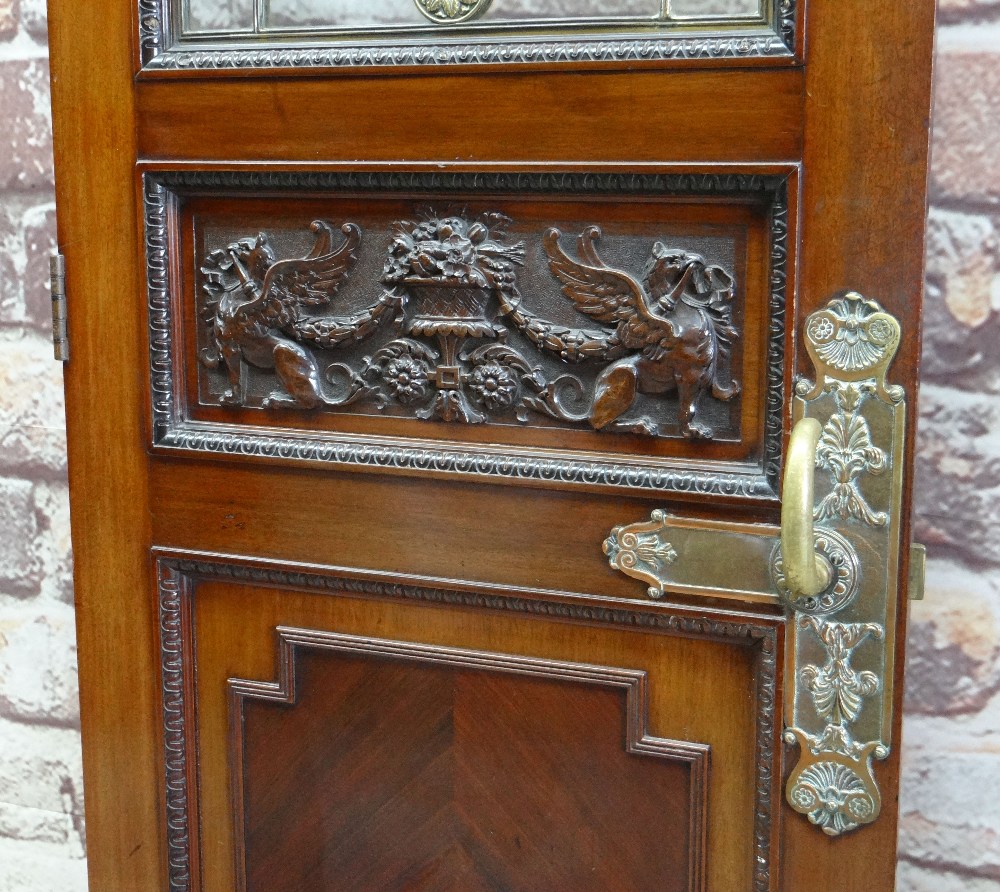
966, 163
956, 10
961, 318
33, 19
32, 423
39, 243
26, 139
11, 244
953, 661
8, 19
957, 483
19, 568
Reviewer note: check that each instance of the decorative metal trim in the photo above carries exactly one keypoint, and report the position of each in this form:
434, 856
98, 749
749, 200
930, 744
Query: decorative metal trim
163, 49
179, 575
451, 12
633, 682
173, 432
681, 555
841, 716
150, 22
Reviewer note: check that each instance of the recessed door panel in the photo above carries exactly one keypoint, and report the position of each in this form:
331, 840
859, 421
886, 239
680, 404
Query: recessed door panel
482, 725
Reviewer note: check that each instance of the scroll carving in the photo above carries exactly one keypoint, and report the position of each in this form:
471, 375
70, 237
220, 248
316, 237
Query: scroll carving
450, 286
184, 421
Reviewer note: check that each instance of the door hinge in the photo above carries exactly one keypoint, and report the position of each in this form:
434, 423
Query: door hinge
918, 570
60, 333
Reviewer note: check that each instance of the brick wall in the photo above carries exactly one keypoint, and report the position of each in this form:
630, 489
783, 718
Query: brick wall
41, 807
950, 826
950, 829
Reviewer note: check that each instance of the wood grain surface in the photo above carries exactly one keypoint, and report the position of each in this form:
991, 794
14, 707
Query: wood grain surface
851, 121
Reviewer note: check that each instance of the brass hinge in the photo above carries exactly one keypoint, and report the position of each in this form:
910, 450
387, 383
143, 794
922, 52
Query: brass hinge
918, 571
60, 333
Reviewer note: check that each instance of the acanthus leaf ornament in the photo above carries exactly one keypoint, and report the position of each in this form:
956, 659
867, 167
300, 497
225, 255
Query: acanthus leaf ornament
838, 691
641, 551
846, 451
839, 713
452, 12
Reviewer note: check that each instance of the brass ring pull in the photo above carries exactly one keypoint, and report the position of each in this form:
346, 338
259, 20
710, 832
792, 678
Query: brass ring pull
806, 572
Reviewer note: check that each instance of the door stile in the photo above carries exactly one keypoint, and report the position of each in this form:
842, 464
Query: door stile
94, 146
866, 147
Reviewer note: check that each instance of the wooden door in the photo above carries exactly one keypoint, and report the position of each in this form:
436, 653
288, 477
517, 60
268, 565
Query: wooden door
434, 371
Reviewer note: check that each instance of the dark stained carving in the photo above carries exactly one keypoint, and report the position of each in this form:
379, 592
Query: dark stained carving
453, 281
672, 327
173, 431
256, 305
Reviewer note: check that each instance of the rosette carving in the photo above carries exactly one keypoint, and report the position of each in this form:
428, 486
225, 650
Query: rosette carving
450, 283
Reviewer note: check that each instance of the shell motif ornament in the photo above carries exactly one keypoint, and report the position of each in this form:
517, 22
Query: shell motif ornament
852, 339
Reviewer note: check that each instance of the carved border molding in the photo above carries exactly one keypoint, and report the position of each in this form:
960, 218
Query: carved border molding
635, 684
175, 593
179, 575
162, 50
171, 431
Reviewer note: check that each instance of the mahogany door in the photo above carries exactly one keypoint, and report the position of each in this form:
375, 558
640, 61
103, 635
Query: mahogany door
438, 516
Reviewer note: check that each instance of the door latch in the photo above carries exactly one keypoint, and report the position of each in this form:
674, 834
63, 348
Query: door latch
833, 563
918, 570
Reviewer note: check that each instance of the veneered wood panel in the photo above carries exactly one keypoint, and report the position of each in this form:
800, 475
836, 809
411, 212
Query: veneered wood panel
697, 116
700, 690
401, 773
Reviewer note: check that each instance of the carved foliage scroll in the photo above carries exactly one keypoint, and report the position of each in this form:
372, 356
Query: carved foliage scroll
450, 284
462, 317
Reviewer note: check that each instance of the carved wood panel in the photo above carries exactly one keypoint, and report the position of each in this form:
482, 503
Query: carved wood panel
462, 310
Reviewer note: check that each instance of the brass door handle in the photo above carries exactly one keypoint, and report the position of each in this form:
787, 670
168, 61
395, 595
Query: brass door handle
834, 562
806, 571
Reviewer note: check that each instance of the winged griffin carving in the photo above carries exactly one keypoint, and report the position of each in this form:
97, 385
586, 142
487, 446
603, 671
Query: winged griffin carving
671, 329
261, 315
453, 281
